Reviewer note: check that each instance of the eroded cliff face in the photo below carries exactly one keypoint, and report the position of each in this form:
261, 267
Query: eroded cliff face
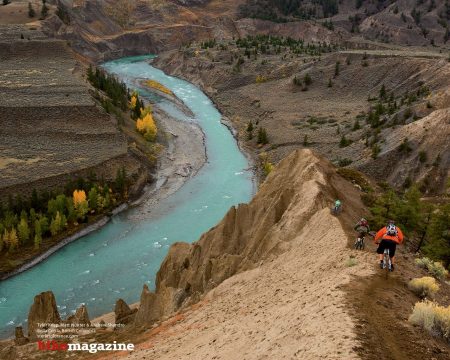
301, 185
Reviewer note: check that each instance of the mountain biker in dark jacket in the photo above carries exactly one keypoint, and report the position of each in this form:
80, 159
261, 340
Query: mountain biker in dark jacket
362, 227
390, 237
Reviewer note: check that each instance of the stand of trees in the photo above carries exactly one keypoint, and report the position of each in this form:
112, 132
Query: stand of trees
27, 223
426, 224
115, 89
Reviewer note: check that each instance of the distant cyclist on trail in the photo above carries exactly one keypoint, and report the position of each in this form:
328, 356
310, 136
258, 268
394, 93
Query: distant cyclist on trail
362, 227
390, 237
337, 206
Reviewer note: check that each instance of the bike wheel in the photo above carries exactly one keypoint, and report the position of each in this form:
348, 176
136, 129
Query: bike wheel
386, 262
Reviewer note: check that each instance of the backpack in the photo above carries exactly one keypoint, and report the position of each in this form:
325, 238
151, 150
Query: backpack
391, 230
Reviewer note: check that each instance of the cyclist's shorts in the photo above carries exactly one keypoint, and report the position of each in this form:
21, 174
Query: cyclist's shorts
387, 244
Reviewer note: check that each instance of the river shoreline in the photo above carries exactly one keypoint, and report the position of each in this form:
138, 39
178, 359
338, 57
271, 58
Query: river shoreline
170, 167
174, 169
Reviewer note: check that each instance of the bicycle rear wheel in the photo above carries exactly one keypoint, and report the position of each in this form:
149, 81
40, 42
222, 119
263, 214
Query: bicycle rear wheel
386, 263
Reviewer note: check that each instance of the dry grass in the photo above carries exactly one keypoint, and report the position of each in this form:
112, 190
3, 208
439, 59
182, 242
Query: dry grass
432, 317
424, 286
351, 261
156, 85
435, 268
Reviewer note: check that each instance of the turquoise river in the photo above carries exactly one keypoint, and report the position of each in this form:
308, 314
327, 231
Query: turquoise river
115, 261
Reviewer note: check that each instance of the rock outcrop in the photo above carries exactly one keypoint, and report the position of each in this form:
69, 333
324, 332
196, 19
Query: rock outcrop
43, 311
123, 313
81, 316
19, 338
302, 185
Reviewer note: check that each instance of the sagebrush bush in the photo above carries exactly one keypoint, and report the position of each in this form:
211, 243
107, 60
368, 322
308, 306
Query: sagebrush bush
351, 261
432, 317
435, 268
424, 287
423, 262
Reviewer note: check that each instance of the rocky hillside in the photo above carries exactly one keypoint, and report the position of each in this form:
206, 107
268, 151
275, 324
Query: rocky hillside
101, 30
340, 112
51, 129
406, 22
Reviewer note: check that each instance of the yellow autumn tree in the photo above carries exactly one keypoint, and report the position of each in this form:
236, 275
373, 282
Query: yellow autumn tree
147, 127
80, 203
13, 240
133, 102
147, 110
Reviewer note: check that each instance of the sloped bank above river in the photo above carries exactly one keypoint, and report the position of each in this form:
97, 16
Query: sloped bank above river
88, 270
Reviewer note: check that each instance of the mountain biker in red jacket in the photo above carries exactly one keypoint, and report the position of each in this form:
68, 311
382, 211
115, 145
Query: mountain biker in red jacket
390, 236
362, 227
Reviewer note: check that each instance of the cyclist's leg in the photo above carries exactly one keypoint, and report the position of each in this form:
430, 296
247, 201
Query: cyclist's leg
392, 248
380, 251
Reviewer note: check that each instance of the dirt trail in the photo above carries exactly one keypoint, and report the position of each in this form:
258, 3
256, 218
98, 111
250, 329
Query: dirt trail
383, 306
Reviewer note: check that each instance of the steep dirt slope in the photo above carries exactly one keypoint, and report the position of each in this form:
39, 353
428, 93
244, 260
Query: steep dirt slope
51, 128
429, 163
102, 30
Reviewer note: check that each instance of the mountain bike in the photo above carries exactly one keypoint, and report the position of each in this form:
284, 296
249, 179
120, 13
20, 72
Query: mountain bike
387, 262
359, 243
336, 210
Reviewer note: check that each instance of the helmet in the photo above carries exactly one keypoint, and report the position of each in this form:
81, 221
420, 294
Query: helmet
391, 222
363, 222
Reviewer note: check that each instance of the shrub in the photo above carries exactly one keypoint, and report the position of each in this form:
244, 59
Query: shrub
344, 162
432, 317
435, 268
31, 12
356, 177
375, 151
262, 136
344, 142
307, 80
268, 167
260, 79
351, 261
422, 156
424, 287
336, 69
